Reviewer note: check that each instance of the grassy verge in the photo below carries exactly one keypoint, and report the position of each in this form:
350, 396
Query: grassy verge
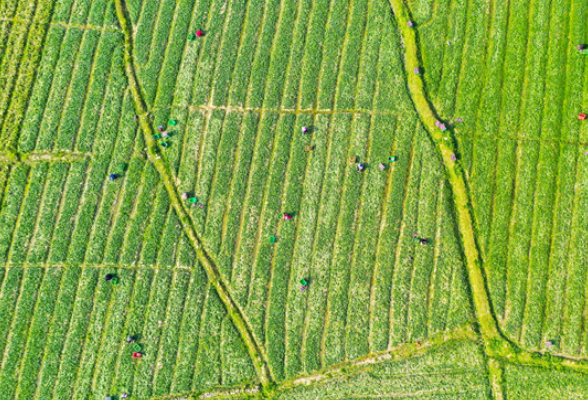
255, 350
454, 174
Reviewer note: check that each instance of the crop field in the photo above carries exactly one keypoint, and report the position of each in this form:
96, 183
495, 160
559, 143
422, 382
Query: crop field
211, 290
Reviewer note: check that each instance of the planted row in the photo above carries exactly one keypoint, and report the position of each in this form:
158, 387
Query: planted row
68, 329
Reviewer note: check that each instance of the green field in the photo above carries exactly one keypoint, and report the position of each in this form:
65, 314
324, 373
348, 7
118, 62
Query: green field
494, 307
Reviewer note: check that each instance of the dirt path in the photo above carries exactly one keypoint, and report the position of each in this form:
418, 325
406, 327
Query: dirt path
256, 352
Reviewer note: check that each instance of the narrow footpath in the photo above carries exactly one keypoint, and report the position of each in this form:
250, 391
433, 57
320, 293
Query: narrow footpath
455, 176
256, 352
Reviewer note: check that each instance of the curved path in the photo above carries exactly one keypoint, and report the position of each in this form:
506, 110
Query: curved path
497, 347
256, 352
444, 144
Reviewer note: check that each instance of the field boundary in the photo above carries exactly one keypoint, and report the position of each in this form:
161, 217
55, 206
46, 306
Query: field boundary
362, 364
454, 173
496, 345
43, 157
396, 354
208, 107
256, 352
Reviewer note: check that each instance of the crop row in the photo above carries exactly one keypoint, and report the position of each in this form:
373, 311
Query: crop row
519, 141
241, 224
68, 328
437, 24
20, 88
9, 66
73, 214
249, 169
530, 383
384, 100
262, 55
96, 12
81, 77
8, 8
27, 44
528, 209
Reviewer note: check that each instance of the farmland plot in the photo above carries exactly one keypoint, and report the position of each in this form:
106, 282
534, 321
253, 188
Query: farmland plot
526, 383
452, 372
234, 102
241, 97
67, 328
240, 107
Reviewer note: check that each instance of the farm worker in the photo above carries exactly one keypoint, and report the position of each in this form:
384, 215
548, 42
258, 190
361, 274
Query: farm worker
304, 129
199, 33
360, 167
424, 242
130, 339
108, 277
287, 216
124, 396
113, 176
160, 127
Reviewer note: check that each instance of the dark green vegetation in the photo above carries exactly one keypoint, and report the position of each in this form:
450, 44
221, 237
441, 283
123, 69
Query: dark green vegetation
74, 80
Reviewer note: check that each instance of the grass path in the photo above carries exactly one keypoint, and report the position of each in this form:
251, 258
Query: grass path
444, 142
397, 354
497, 347
8, 157
256, 352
